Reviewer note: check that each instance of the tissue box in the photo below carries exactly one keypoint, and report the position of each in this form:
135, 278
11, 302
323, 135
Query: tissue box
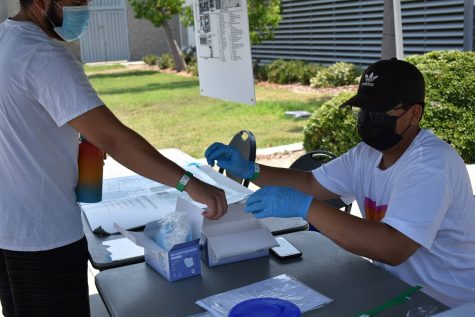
183, 260
237, 236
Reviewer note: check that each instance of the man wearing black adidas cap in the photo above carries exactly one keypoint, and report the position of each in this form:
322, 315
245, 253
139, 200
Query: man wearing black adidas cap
413, 189
389, 90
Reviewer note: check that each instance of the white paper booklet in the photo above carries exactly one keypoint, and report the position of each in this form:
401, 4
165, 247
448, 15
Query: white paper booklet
283, 287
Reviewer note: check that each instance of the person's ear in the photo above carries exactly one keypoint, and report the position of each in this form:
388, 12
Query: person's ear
416, 113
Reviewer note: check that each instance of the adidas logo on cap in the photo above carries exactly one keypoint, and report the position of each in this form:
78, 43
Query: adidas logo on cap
369, 80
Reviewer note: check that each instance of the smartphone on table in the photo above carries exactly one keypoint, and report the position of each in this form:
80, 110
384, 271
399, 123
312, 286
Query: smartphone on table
285, 250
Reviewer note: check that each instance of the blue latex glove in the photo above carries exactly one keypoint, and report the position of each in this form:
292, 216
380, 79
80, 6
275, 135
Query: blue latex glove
277, 201
230, 159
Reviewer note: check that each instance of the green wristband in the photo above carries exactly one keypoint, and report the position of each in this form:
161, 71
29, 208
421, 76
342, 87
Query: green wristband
183, 181
257, 172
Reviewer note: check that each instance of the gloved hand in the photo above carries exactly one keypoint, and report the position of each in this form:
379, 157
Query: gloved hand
230, 159
277, 201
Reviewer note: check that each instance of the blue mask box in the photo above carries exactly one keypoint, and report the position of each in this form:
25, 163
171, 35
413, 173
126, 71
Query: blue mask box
183, 259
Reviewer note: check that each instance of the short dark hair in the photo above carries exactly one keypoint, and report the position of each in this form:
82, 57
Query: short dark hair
25, 3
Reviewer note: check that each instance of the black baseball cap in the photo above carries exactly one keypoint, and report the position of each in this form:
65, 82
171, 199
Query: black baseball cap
387, 84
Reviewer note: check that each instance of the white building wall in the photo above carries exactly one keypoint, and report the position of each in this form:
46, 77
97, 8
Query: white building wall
145, 38
8, 8
3, 11
13, 7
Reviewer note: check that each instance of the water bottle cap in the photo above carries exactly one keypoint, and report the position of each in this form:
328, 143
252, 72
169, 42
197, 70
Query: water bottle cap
265, 307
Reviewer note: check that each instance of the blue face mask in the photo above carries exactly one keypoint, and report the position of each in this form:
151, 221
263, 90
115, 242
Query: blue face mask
75, 22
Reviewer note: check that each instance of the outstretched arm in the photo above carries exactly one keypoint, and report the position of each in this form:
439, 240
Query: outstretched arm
230, 159
300, 180
103, 129
374, 240
371, 239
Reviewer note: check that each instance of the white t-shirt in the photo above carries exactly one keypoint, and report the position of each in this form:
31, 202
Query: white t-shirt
42, 87
427, 196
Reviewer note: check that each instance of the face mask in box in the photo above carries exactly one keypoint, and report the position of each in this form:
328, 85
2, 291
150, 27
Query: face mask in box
171, 245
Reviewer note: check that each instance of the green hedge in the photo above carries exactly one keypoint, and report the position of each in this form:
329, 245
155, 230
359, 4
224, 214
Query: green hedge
260, 71
454, 125
331, 128
284, 72
288, 72
166, 61
449, 76
338, 74
192, 66
150, 59
310, 71
449, 111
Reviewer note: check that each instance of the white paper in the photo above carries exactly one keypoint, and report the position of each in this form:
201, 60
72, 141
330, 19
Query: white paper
235, 220
123, 249
283, 287
235, 192
236, 233
136, 185
194, 216
239, 243
132, 212
139, 238
133, 201
224, 50
130, 186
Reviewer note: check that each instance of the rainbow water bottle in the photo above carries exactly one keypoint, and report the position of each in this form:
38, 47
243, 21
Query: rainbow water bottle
90, 168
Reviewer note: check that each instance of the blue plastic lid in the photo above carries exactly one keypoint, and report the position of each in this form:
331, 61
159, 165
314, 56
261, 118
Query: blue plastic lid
265, 307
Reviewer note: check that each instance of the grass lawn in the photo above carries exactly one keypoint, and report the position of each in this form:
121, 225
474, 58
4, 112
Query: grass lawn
100, 68
168, 111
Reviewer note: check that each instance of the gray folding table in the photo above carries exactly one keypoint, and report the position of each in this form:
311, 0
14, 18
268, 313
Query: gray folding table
355, 284
101, 260
100, 257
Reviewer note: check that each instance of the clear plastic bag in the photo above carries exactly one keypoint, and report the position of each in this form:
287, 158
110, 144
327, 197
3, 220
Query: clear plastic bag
283, 287
173, 229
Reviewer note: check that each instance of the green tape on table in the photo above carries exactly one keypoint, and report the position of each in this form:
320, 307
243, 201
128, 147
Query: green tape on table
399, 299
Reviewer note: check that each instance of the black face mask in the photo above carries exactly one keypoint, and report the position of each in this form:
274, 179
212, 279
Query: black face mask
378, 130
